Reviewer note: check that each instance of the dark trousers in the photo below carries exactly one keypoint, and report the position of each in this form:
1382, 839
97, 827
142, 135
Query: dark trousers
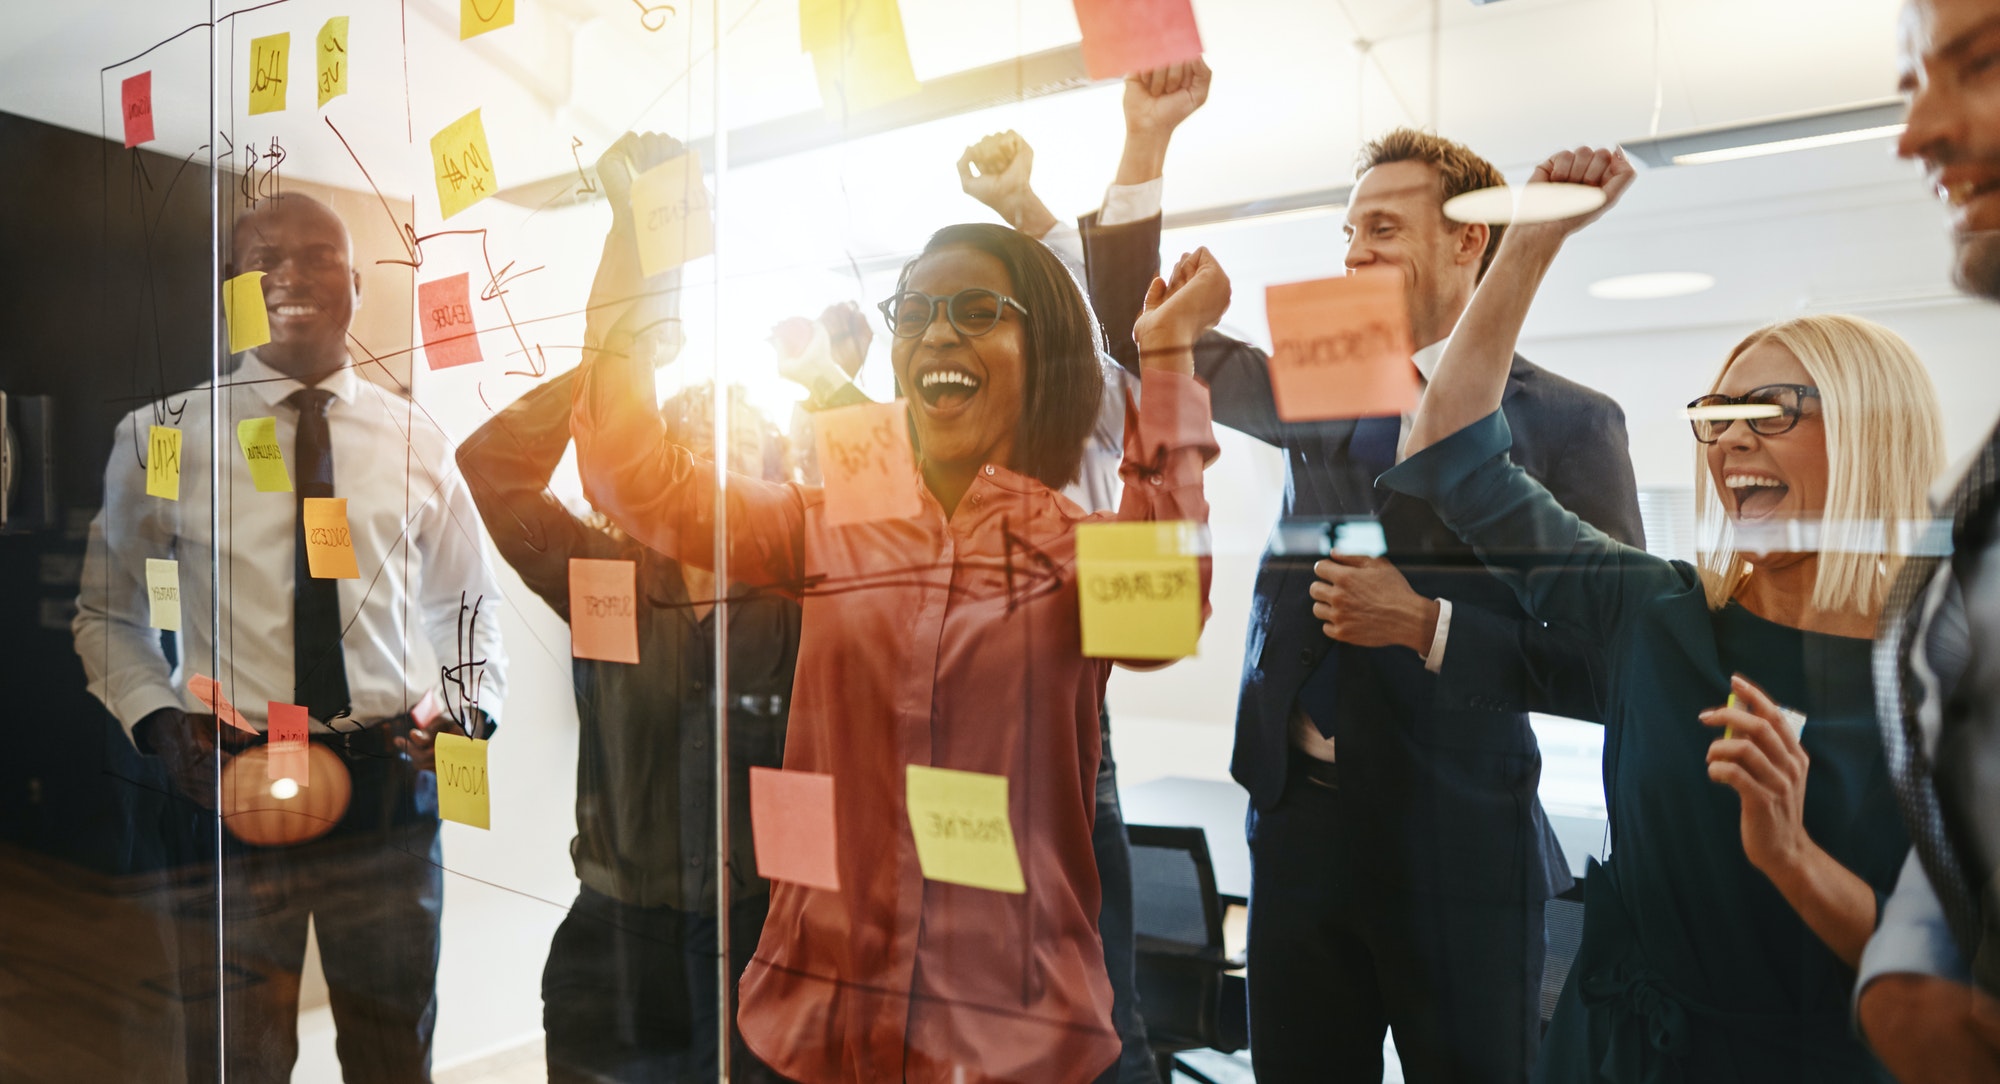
1135, 1064
1336, 957
630, 993
374, 889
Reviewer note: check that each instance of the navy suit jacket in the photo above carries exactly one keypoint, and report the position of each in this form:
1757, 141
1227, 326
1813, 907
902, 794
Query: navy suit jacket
1440, 770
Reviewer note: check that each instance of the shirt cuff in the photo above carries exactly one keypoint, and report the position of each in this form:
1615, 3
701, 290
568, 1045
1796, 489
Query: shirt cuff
1912, 935
1126, 203
1434, 658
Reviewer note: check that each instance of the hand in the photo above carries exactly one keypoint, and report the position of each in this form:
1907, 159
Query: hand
418, 739
1157, 101
1596, 167
1929, 1030
805, 355
1180, 310
1003, 162
632, 154
618, 282
848, 335
1365, 601
1765, 764
186, 747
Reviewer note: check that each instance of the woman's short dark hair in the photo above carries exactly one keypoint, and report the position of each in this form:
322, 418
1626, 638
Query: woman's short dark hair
1063, 382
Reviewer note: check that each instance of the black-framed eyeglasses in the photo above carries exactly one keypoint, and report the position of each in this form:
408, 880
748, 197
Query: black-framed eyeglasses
973, 312
1769, 411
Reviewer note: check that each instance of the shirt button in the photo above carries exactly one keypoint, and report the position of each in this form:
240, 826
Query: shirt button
1155, 479
698, 743
1306, 655
989, 470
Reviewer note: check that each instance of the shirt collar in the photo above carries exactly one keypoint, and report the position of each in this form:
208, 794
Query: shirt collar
1427, 359
274, 387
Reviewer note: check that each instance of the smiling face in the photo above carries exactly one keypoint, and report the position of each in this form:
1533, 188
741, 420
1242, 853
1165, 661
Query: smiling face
1395, 219
1777, 477
310, 284
965, 393
1949, 70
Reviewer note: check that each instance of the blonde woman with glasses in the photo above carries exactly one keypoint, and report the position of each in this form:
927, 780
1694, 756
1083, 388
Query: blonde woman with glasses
1751, 845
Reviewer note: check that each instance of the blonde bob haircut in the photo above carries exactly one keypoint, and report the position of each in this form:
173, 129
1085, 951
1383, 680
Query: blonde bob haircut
1884, 447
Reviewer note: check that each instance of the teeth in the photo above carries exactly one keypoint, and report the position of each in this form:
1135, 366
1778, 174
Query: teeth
947, 376
1749, 481
296, 310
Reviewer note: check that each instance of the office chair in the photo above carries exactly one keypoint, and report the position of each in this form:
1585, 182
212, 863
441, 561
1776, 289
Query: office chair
1186, 996
1562, 922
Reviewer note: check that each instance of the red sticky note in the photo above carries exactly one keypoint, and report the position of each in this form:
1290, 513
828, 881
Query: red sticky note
136, 103
866, 462
1341, 347
791, 827
1125, 36
603, 610
445, 307
287, 734
209, 693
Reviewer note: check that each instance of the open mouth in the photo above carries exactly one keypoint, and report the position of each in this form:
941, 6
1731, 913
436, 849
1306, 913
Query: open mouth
1757, 495
946, 387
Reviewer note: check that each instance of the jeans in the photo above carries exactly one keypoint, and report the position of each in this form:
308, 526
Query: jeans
1135, 1064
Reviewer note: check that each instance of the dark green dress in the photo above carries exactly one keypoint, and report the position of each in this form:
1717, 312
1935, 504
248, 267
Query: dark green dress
1693, 967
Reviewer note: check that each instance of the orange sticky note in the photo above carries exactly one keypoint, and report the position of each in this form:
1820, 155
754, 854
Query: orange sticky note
859, 53
603, 610
964, 833
332, 59
463, 794
1341, 347
270, 70
329, 545
135, 98
463, 164
444, 307
1138, 586
209, 692
791, 826
243, 310
1125, 36
866, 461
670, 212
163, 462
287, 726
476, 17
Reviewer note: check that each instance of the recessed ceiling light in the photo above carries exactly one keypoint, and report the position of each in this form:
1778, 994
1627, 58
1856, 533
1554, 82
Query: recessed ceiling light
1651, 286
1540, 202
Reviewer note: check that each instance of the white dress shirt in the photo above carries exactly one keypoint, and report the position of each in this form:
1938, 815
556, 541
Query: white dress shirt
416, 540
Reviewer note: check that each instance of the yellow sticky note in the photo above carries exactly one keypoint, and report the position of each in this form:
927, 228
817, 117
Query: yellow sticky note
270, 69
332, 59
960, 821
259, 438
670, 212
163, 594
329, 546
461, 775
163, 462
243, 310
476, 17
1139, 586
463, 164
858, 51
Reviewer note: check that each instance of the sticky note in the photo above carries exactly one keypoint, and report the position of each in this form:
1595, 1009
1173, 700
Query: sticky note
286, 728
243, 310
270, 67
1341, 347
209, 692
476, 17
463, 164
332, 62
135, 103
163, 462
1125, 36
444, 307
461, 776
259, 440
866, 462
603, 611
329, 546
791, 827
859, 52
670, 212
163, 594
1139, 587
964, 836
1796, 720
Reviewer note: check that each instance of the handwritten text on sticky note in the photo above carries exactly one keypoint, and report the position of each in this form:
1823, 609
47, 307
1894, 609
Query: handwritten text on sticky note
243, 310
286, 728
603, 615
1341, 347
1125, 36
135, 101
791, 824
163, 462
476, 17
259, 439
1139, 586
859, 53
865, 459
670, 212
329, 545
463, 164
332, 64
444, 308
163, 594
461, 774
270, 70
207, 690
961, 824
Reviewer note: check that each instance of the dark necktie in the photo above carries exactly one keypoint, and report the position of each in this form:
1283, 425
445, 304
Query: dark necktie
319, 669
1372, 447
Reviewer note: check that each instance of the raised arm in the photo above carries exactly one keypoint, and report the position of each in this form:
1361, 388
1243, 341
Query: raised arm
995, 171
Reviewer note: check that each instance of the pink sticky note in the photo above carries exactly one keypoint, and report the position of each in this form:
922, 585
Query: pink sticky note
865, 459
1341, 347
603, 610
287, 734
1125, 36
136, 103
209, 693
445, 307
791, 825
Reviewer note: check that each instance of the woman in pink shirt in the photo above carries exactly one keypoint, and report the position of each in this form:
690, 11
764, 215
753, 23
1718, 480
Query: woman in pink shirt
949, 639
